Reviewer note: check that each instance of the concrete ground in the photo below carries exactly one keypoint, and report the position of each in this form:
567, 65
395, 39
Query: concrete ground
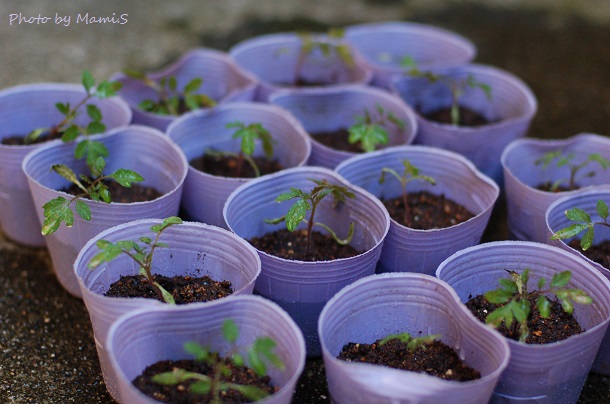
559, 48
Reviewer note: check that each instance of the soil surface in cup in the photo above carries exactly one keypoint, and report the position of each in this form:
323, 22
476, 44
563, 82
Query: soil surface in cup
426, 211
180, 393
558, 326
184, 289
337, 140
229, 166
121, 194
162, 107
468, 117
555, 188
293, 246
19, 140
599, 253
436, 359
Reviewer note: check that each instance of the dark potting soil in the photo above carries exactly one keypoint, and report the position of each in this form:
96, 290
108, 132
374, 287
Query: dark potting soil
468, 117
121, 194
548, 187
557, 327
19, 140
599, 253
427, 211
292, 245
337, 140
180, 393
226, 166
184, 289
436, 359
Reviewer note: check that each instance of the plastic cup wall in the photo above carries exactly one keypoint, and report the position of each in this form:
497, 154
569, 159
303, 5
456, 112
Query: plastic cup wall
330, 109
549, 373
139, 148
411, 250
204, 194
526, 205
145, 337
23, 109
377, 306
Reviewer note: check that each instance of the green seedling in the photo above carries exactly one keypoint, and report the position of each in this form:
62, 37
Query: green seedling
95, 153
170, 100
67, 128
567, 160
310, 43
409, 174
456, 86
310, 201
259, 354
248, 134
141, 254
370, 132
514, 299
412, 343
584, 223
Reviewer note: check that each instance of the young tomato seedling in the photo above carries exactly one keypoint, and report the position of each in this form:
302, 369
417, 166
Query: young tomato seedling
141, 254
310, 201
584, 223
412, 343
170, 100
514, 299
567, 160
409, 174
259, 354
370, 132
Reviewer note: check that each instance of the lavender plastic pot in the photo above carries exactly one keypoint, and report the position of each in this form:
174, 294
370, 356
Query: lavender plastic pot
194, 249
556, 220
385, 44
273, 60
330, 109
223, 81
412, 250
377, 306
204, 194
303, 287
142, 149
144, 337
25, 108
511, 108
541, 373
526, 205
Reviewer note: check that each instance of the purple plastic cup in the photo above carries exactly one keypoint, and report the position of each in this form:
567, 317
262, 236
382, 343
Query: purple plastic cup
556, 219
223, 81
273, 59
143, 337
526, 205
303, 287
142, 149
194, 249
511, 108
554, 372
412, 250
25, 108
333, 108
379, 305
384, 45
205, 194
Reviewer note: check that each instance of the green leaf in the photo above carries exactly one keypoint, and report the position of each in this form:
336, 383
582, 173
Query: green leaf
570, 231
195, 349
498, 296
293, 193
561, 279
544, 306
56, 211
64, 109
97, 168
264, 348
70, 134
108, 252
578, 215
520, 310
587, 240
579, 296
104, 194
65, 172
602, 209
95, 127
94, 112
253, 393
193, 85
202, 387
126, 177
230, 331
167, 297
567, 306
108, 89
88, 81
296, 214
83, 210
508, 285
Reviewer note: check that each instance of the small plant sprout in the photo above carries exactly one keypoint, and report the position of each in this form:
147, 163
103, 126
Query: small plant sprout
409, 174
584, 224
310, 201
259, 354
514, 299
456, 86
141, 254
567, 160
412, 342
309, 43
171, 101
370, 132
67, 128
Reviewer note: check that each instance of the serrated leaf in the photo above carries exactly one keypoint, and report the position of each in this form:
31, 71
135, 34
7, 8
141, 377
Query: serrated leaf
578, 215
70, 134
293, 193
544, 306
602, 209
104, 194
83, 210
569, 231
520, 310
587, 240
97, 168
64, 109
126, 177
95, 127
498, 296
296, 214
88, 81
508, 285
107, 89
94, 112
561, 279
